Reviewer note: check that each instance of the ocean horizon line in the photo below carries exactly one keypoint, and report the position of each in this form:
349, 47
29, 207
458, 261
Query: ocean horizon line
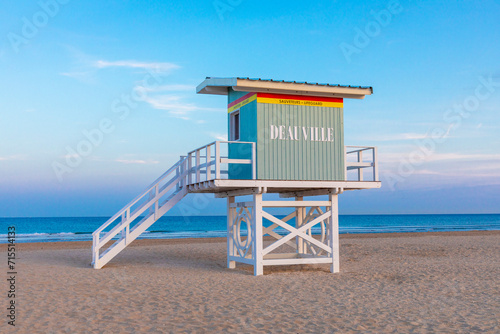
223, 215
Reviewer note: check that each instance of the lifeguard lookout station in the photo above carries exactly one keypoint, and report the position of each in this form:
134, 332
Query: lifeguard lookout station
285, 138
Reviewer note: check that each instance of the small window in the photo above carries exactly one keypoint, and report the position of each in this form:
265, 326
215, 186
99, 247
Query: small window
235, 125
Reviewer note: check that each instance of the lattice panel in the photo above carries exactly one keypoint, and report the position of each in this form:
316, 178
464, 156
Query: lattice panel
301, 234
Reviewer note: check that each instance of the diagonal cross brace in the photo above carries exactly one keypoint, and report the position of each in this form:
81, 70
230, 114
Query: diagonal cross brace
296, 232
269, 230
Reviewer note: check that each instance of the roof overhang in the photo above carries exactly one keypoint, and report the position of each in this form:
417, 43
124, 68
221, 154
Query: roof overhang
220, 86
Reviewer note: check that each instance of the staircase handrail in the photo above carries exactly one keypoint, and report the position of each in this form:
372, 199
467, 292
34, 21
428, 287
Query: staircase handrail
135, 200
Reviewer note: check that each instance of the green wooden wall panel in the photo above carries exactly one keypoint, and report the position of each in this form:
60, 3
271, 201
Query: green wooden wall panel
302, 159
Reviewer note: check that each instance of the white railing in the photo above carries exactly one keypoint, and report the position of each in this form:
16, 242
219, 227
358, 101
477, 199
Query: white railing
208, 162
143, 210
356, 159
203, 164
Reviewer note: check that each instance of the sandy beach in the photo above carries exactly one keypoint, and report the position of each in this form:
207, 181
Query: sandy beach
394, 283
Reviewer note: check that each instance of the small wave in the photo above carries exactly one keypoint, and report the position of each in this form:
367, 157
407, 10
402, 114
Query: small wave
166, 234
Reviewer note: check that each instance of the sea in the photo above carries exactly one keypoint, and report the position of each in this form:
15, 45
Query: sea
176, 227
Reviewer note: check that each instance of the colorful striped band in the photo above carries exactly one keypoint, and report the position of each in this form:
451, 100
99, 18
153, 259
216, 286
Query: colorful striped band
299, 100
244, 100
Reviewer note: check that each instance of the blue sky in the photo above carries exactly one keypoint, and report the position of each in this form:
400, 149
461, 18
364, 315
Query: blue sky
71, 67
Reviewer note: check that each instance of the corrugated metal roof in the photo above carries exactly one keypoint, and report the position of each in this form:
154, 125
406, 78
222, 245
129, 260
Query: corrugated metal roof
221, 86
303, 82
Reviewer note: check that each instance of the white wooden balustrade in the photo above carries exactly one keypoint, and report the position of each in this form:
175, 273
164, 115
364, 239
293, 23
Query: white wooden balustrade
360, 153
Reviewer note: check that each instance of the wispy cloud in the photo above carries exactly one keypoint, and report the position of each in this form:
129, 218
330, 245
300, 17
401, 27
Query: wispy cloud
86, 66
426, 172
463, 172
439, 157
152, 66
140, 162
406, 136
13, 157
401, 136
173, 98
175, 105
460, 156
218, 136
82, 75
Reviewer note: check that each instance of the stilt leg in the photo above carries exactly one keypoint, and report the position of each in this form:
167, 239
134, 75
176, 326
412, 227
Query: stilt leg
230, 246
334, 233
299, 220
257, 239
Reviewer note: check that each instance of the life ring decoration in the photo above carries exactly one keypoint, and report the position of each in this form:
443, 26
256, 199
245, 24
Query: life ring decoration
242, 245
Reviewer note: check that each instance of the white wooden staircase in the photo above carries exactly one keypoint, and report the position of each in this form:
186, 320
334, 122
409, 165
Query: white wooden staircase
186, 175
135, 218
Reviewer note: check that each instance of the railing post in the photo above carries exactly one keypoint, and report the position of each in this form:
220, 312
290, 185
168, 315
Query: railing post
124, 220
254, 161
182, 169
95, 250
177, 186
127, 224
375, 165
345, 163
217, 160
127, 217
207, 160
360, 170
190, 165
197, 168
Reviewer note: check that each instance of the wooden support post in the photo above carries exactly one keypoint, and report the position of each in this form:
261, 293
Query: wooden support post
257, 238
299, 220
230, 241
334, 233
